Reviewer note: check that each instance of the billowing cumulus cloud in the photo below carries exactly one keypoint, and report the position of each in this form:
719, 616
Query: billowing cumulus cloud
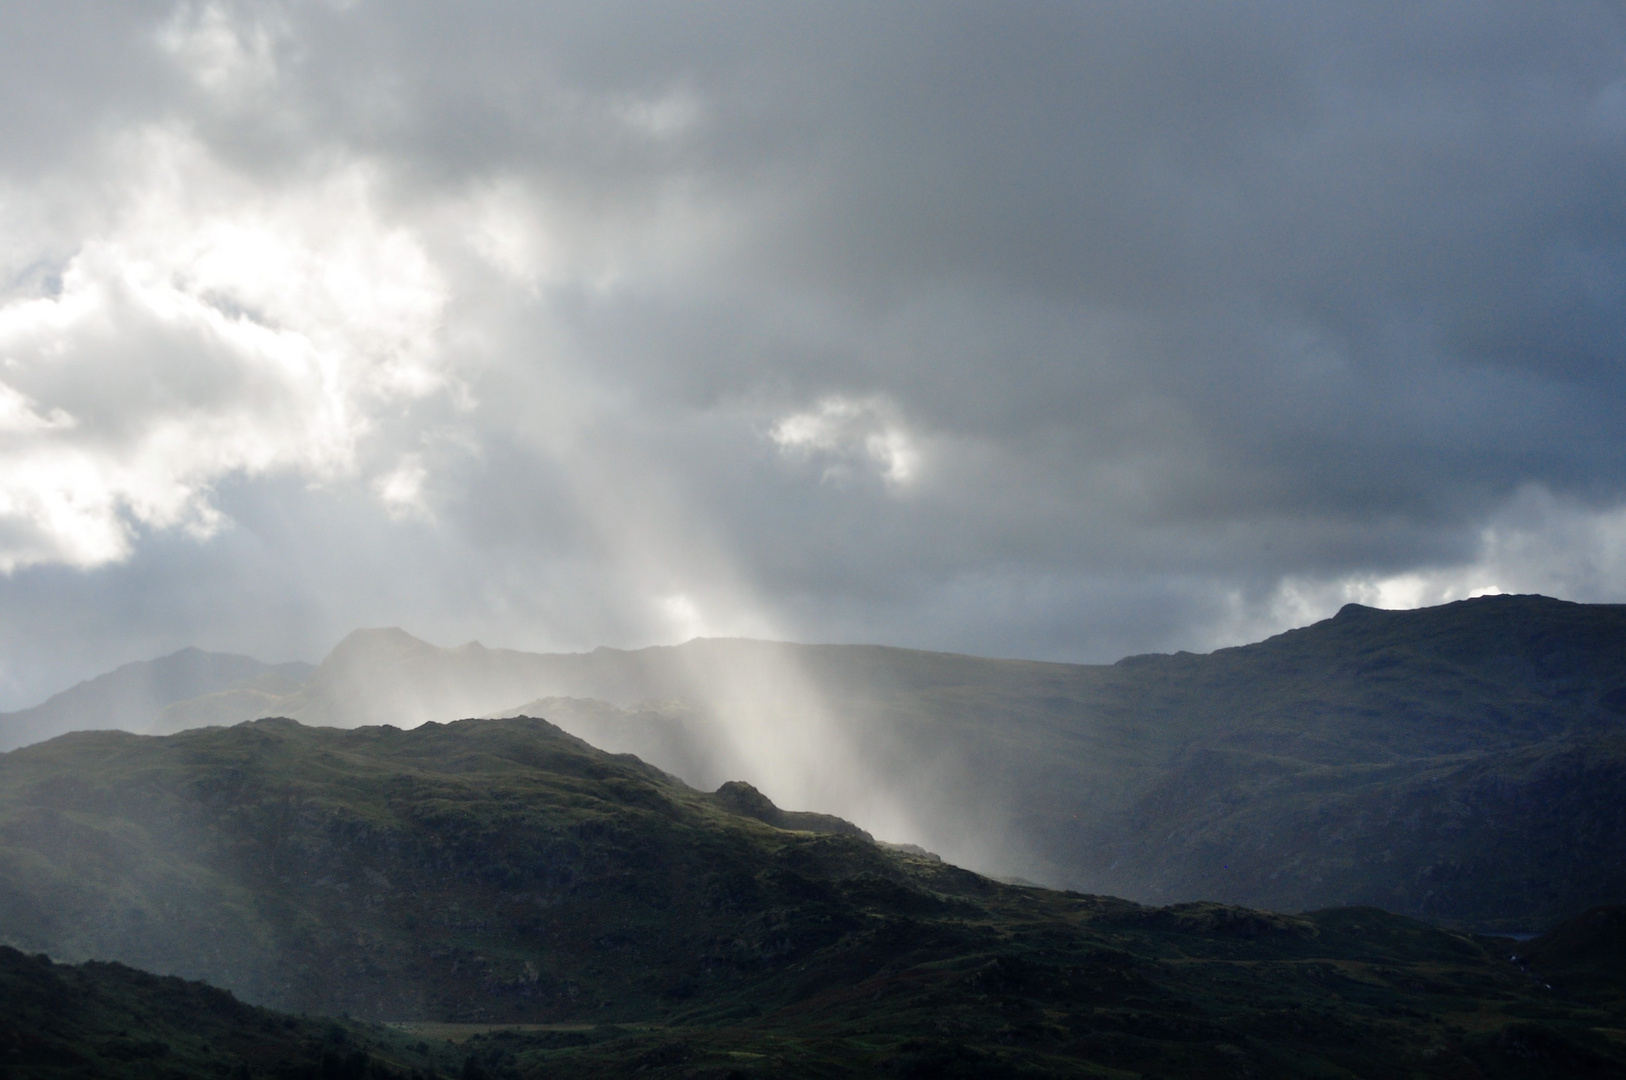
1045, 330
207, 327
847, 435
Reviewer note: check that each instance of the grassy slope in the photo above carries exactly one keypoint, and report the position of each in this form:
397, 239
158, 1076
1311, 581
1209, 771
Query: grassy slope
1074, 987
1062, 987
485, 869
111, 1022
1461, 762
1458, 762
500, 870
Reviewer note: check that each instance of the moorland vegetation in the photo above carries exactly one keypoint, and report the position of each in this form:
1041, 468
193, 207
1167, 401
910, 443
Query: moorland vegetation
584, 914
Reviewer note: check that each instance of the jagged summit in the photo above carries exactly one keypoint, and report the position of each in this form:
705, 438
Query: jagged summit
372, 641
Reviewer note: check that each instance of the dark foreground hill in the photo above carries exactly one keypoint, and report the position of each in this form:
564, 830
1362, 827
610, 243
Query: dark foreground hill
1340, 994
502, 871
1464, 763
111, 1022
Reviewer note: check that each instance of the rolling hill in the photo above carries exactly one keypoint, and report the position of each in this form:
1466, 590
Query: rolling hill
570, 912
111, 1022
1461, 763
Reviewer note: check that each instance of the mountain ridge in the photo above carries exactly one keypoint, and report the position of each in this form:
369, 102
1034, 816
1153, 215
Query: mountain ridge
1333, 761
569, 912
136, 695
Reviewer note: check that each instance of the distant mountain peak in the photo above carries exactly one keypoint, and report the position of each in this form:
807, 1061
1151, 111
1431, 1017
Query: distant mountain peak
135, 696
374, 637
368, 646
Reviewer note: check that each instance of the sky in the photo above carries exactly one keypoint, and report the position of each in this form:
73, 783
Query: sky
1052, 330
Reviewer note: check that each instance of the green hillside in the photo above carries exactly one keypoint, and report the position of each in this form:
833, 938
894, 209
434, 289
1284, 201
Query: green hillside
1460, 763
111, 1022
1076, 988
486, 869
1463, 762
581, 914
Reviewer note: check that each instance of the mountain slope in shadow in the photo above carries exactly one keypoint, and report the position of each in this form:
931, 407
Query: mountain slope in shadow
500, 870
1458, 763
113, 1022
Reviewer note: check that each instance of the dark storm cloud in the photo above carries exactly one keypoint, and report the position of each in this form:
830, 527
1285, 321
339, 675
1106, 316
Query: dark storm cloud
1062, 330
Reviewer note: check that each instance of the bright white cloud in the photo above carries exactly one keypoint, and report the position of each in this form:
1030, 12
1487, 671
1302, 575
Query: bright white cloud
852, 434
499, 222
684, 616
401, 489
1298, 601
536, 268
215, 326
19, 415
224, 56
1537, 543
